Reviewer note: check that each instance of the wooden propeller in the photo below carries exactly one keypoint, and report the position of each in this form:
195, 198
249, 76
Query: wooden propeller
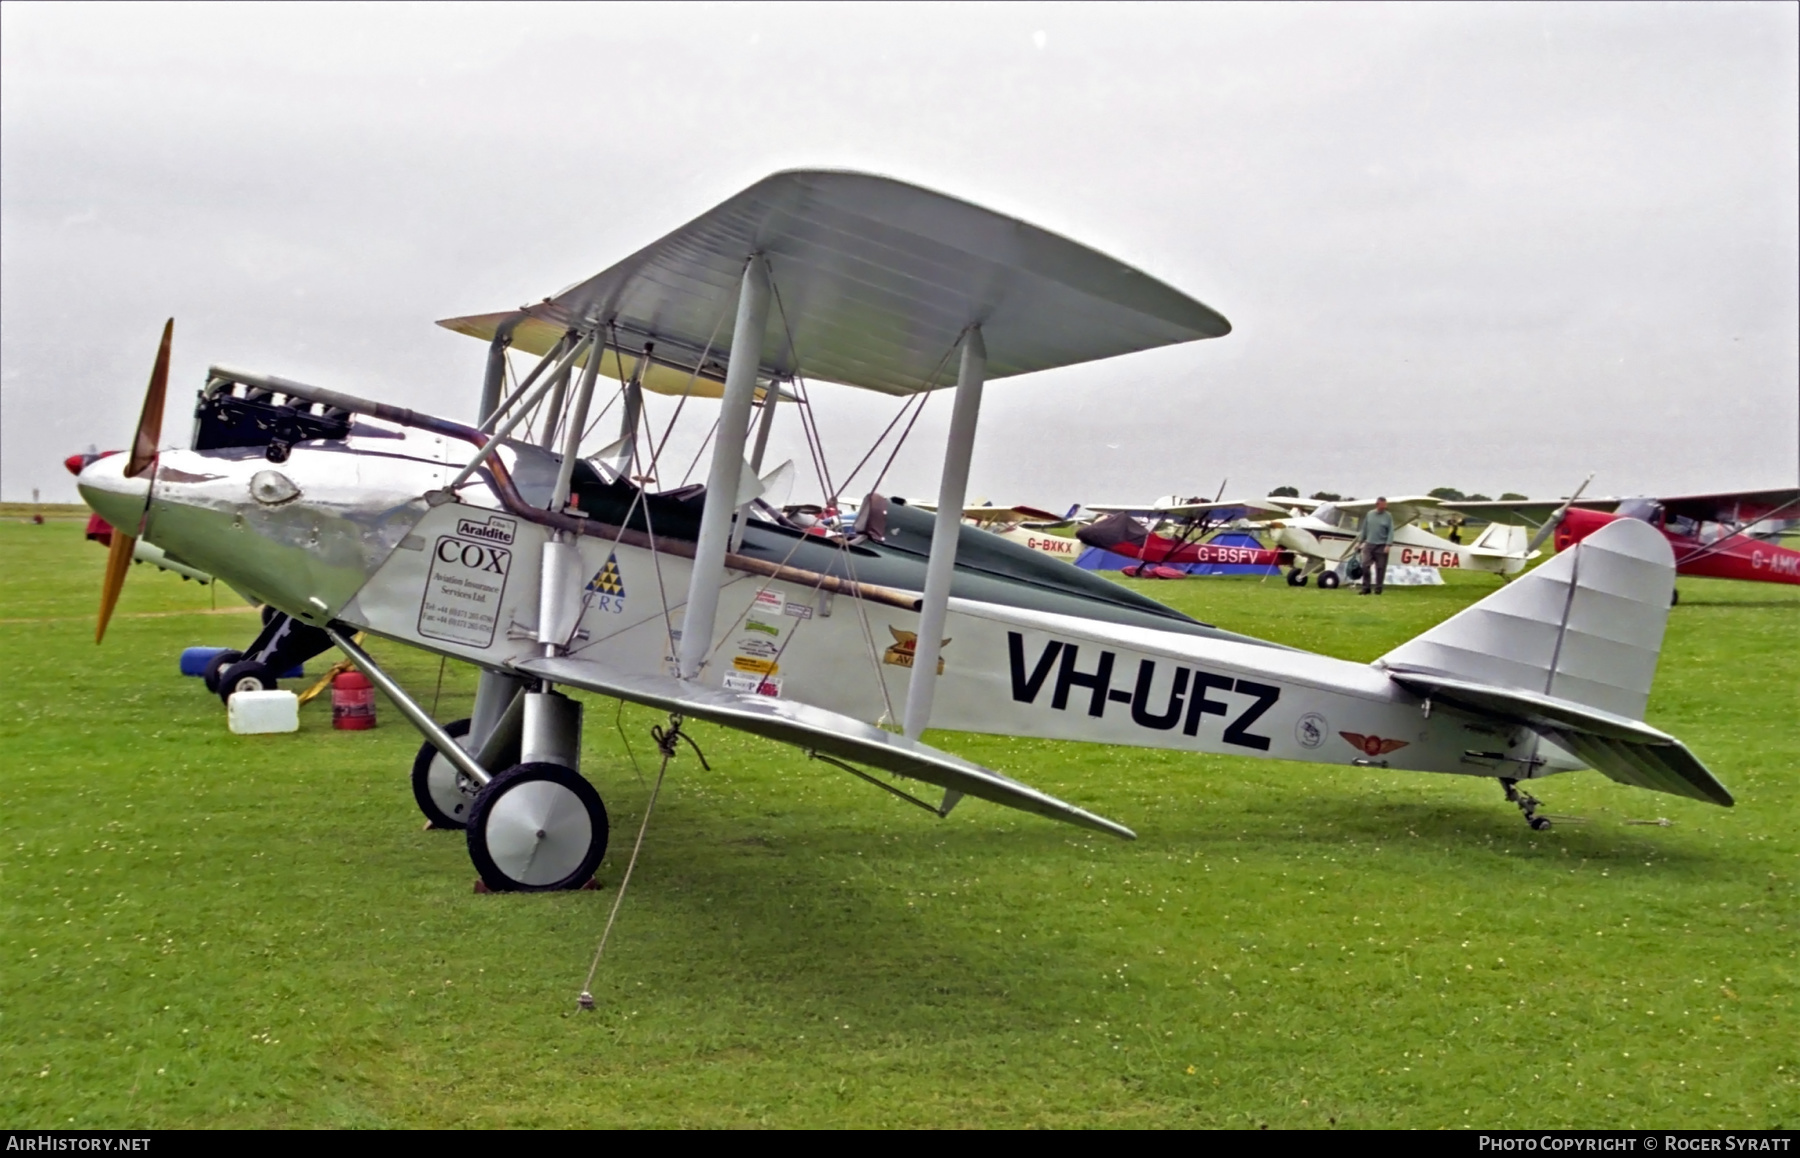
143, 457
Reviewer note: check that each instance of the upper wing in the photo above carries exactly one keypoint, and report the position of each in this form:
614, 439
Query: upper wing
876, 281
1013, 514
1405, 509
1522, 512
1224, 508
1736, 506
817, 730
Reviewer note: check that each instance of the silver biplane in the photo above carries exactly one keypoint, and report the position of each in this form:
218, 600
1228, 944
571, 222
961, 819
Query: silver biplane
551, 571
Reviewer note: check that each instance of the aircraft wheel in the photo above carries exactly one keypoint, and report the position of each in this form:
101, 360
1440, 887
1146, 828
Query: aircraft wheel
1674, 596
267, 613
215, 667
1328, 580
443, 793
536, 828
1296, 578
1540, 823
246, 676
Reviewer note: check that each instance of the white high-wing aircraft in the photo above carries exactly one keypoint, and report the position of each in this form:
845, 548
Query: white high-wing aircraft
351, 515
1321, 533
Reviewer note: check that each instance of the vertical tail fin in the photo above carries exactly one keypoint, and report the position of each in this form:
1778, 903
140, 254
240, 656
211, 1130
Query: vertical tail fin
1570, 651
1586, 626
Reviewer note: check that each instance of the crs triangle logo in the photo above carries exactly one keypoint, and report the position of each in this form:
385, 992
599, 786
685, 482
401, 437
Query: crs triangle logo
607, 588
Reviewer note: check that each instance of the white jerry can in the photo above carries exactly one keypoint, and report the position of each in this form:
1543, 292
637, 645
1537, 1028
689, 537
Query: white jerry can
255, 713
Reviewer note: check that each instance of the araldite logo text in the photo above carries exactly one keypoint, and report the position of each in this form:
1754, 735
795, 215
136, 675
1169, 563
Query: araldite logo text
495, 530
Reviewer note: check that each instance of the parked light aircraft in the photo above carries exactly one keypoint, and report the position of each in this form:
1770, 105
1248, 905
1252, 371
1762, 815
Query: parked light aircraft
1729, 535
352, 515
1029, 527
1166, 535
1322, 532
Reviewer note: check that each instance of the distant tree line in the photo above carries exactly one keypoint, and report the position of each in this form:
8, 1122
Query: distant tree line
1450, 494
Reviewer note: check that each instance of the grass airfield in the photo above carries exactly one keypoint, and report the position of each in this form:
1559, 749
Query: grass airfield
208, 930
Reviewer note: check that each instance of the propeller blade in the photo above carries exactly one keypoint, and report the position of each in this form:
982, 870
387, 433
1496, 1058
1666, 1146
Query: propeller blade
143, 456
118, 561
149, 427
1555, 520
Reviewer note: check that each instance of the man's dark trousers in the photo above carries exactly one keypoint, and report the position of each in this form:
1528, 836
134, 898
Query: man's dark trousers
1374, 557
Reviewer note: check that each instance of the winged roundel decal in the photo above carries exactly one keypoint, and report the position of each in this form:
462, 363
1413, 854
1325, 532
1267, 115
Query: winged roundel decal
1372, 745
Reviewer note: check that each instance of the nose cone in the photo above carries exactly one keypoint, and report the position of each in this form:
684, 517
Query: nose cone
115, 498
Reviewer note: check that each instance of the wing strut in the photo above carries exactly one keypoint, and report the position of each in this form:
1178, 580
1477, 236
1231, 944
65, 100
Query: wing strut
941, 569
727, 468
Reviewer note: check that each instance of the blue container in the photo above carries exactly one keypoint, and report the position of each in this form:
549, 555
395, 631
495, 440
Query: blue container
195, 659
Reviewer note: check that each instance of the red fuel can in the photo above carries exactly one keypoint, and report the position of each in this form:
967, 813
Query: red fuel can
352, 702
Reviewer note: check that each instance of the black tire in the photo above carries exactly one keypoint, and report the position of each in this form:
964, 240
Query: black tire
215, 667
1674, 596
267, 614
1328, 580
1540, 823
568, 818
1296, 578
443, 794
246, 676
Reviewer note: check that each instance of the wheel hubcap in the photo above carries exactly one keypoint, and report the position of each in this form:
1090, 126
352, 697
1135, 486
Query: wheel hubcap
538, 832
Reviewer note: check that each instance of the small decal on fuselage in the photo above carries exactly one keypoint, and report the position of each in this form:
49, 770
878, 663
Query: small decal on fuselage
495, 530
753, 685
606, 590
1188, 700
1311, 731
905, 649
1372, 745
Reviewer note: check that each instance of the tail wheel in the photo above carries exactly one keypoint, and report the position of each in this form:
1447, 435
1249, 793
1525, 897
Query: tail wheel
443, 793
1328, 580
246, 676
1674, 596
537, 828
215, 667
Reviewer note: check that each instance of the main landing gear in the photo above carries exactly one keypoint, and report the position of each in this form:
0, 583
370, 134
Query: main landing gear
1528, 804
537, 826
1296, 578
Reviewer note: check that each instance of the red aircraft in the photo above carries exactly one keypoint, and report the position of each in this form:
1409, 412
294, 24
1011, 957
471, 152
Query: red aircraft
1125, 531
98, 529
1734, 535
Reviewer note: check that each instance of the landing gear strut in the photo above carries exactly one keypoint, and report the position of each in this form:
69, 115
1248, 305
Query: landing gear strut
1528, 804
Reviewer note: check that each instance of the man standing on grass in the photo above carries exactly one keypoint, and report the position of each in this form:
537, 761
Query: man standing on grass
1375, 537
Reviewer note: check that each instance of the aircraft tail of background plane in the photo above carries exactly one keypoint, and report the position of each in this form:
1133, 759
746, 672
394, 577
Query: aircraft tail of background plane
1501, 539
1569, 651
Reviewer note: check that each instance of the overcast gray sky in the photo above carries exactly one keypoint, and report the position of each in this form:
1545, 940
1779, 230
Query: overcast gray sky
1494, 247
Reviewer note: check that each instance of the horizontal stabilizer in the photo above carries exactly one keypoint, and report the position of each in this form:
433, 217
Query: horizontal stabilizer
816, 730
1627, 750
